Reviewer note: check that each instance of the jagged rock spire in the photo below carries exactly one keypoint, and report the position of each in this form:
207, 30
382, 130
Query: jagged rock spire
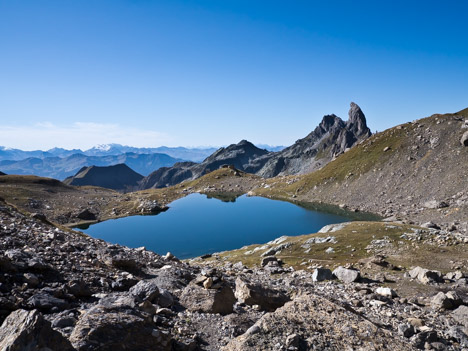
357, 121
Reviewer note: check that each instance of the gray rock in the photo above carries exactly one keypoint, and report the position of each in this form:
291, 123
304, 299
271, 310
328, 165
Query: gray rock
197, 298
441, 302
145, 290
321, 274
28, 331
464, 139
110, 330
425, 276
46, 302
346, 275
255, 294
268, 259
406, 330
387, 292
461, 315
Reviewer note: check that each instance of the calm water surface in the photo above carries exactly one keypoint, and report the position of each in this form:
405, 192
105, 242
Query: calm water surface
196, 225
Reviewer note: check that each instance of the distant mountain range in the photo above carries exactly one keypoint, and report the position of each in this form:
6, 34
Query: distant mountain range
61, 168
191, 154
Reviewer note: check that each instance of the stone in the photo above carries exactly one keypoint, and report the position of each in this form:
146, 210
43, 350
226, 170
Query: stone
86, 215
28, 331
461, 315
464, 139
387, 292
145, 290
406, 330
46, 302
112, 330
346, 275
441, 301
255, 294
198, 299
321, 274
268, 259
425, 276
31, 279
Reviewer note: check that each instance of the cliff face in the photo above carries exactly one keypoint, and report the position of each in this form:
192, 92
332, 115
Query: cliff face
329, 139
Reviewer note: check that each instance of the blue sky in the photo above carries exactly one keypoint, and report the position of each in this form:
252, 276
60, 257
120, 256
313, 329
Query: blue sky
194, 73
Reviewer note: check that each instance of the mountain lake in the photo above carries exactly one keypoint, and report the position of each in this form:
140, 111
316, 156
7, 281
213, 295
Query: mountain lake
198, 224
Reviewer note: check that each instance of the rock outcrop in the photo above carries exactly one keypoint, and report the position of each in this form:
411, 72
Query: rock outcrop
28, 330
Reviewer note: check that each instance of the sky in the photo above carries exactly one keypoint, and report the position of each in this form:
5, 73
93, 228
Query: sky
145, 73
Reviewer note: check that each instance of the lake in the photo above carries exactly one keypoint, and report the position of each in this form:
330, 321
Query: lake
196, 225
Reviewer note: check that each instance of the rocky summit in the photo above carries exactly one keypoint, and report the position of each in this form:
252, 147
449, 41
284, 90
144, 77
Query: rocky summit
332, 137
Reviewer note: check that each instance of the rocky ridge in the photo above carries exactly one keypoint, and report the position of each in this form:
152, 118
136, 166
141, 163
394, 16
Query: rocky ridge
332, 137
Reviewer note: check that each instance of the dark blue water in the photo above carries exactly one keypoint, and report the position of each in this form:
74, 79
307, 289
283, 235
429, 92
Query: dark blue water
196, 225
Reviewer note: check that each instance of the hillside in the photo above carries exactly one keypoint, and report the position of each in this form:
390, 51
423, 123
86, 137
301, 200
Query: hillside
332, 137
60, 168
415, 171
118, 177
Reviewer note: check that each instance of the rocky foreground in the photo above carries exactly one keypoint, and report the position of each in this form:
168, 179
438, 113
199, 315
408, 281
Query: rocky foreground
61, 290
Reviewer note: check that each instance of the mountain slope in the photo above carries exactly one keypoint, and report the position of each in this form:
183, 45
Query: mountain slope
118, 177
417, 170
243, 156
332, 137
60, 168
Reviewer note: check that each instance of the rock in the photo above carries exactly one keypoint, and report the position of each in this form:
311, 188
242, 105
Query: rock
112, 330
208, 283
168, 256
28, 331
31, 279
46, 302
406, 330
441, 301
387, 292
464, 139
86, 215
145, 290
425, 276
196, 298
430, 225
63, 322
165, 298
268, 259
346, 275
321, 274
435, 204
255, 294
79, 288
461, 315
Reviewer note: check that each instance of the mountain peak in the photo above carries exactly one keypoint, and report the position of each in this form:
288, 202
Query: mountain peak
357, 121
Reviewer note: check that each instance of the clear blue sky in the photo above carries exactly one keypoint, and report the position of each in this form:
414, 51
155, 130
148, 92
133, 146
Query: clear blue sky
190, 73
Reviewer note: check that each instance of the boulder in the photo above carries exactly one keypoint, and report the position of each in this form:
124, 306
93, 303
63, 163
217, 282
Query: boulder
197, 298
321, 274
425, 276
28, 331
45, 302
441, 302
346, 275
461, 315
464, 139
387, 292
106, 329
145, 290
86, 215
255, 294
